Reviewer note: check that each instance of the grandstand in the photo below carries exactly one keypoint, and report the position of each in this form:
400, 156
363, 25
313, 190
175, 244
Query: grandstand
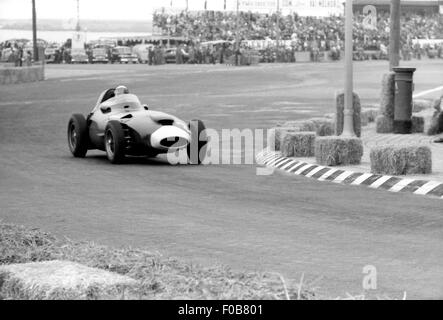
317, 8
422, 7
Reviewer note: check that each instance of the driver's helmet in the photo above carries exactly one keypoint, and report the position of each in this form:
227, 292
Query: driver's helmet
121, 90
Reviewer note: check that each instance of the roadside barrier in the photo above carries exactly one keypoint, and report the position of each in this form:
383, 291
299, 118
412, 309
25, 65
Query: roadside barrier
12, 75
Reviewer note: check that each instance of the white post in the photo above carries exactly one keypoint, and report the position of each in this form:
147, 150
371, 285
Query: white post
348, 123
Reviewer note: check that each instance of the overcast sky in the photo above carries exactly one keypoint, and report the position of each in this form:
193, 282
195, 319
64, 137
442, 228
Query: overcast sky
89, 9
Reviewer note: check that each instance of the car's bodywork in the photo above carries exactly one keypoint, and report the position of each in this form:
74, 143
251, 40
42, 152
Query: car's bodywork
148, 130
170, 55
79, 56
141, 131
50, 53
99, 55
123, 54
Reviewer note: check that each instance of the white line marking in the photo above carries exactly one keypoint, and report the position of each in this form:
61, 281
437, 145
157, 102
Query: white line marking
303, 168
327, 174
279, 162
311, 173
270, 161
297, 166
400, 185
362, 178
274, 161
427, 187
269, 156
288, 164
343, 176
377, 183
423, 93
284, 162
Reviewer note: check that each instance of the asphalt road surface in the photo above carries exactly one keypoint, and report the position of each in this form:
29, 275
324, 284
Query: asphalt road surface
218, 213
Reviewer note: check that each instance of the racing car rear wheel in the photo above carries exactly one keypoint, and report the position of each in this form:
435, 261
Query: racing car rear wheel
115, 142
78, 135
196, 148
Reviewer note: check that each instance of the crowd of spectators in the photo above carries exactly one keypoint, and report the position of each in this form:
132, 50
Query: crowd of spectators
305, 33
17, 53
272, 37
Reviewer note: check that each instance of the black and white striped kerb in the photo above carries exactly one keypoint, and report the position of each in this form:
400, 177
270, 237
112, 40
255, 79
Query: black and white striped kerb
376, 181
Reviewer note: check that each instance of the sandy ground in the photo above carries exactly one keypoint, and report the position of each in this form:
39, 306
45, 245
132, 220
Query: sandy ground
218, 213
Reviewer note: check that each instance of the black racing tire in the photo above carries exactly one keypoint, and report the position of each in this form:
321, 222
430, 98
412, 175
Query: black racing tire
115, 145
197, 147
78, 139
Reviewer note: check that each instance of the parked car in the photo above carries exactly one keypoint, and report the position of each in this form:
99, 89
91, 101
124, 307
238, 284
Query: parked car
121, 126
99, 55
170, 55
79, 56
7, 55
123, 54
50, 53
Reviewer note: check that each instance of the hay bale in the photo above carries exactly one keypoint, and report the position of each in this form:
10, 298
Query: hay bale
333, 151
400, 160
418, 124
369, 114
298, 144
421, 104
60, 280
387, 95
291, 124
364, 118
307, 125
384, 124
356, 107
436, 125
322, 126
437, 104
326, 129
276, 135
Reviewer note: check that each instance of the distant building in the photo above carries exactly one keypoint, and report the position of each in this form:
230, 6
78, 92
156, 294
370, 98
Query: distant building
413, 6
301, 7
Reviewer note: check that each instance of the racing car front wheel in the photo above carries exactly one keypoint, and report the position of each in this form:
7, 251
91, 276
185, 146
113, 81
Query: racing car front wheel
115, 142
196, 148
78, 135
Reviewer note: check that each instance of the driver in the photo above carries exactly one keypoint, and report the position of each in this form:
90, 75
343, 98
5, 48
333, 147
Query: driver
121, 90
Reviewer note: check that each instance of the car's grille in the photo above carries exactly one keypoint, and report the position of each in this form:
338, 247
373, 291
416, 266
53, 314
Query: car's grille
166, 122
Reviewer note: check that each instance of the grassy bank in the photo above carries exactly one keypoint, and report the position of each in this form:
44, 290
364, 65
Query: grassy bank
158, 277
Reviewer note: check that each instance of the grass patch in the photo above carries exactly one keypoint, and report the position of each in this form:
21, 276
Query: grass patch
158, 277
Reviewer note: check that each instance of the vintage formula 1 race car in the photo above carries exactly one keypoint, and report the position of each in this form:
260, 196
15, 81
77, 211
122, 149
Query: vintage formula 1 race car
121, 126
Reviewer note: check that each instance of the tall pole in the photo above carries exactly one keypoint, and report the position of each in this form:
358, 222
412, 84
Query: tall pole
78, 16
237, 35
34, 31
278, 24
394, 35
348, 125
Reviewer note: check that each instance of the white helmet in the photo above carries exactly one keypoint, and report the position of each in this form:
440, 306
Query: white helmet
121, 90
